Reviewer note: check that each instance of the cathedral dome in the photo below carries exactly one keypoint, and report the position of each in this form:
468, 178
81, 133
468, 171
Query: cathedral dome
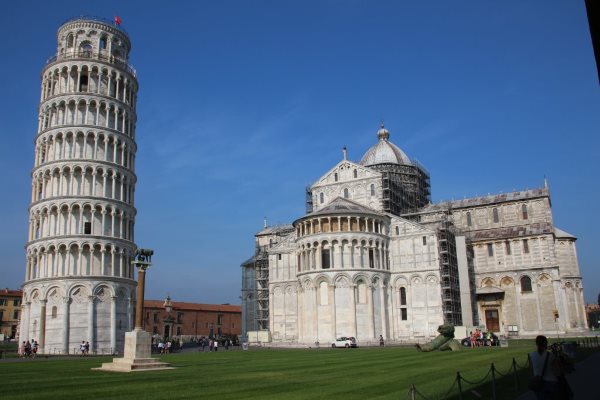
385, 152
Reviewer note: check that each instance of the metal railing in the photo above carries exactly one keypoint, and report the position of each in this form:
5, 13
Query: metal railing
457, 388
89, 55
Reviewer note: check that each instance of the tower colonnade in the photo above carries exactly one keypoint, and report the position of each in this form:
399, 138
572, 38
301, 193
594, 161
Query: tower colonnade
102, 146
82, 180
82, 213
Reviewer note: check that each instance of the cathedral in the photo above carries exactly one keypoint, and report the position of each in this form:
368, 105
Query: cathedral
374, 257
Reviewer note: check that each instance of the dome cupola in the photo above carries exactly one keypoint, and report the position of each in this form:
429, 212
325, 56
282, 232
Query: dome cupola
384, 152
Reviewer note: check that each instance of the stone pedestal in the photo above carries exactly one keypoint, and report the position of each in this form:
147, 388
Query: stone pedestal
136, 355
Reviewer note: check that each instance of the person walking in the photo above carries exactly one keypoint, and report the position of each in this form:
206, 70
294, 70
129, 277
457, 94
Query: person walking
216, 345
381, 341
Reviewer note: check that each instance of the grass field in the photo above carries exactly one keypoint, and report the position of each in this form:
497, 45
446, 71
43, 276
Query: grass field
363, 373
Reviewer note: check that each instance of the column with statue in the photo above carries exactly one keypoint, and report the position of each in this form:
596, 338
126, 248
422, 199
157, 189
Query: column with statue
138, 342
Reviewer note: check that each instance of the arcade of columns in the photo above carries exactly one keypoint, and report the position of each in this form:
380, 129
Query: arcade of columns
346, 251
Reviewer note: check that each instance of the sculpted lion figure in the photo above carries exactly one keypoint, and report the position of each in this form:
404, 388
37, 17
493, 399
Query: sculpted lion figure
444, 341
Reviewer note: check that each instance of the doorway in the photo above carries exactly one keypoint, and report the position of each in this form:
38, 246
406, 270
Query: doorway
492, 322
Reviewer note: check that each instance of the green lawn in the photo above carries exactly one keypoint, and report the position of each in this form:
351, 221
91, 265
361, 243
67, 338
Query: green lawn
363, 373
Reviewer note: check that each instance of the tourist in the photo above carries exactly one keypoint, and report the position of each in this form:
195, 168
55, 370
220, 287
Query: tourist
211, 343
216, 345
34, 348
22, 350
87, 348
161, 347
545, 369
381, 342
82, 348
168, 349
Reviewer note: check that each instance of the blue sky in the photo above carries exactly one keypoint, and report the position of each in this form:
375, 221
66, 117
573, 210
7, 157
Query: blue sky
244, 103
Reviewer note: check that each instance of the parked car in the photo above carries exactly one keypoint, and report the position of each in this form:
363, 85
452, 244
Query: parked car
344, 341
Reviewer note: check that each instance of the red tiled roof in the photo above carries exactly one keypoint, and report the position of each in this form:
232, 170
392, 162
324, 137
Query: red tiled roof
11, 292
179, 305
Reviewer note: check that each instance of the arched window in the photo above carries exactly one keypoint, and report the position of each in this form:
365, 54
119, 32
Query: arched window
86, 48
526, 284
469, 221
102, 43
397, 230
346, 193
321, 198
495, 212
70, 41
355, 173
402, 296
524, 211
54, 311
372, 189
335, 177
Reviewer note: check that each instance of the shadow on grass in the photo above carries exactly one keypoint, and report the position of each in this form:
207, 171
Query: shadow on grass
507, 385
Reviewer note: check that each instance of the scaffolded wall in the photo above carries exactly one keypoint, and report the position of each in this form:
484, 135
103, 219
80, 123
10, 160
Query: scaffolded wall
451, 304
406, 188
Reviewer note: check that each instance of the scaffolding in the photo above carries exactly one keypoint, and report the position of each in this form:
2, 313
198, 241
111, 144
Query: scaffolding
309, 200
265, 240
451, 304
406, 188
261, 265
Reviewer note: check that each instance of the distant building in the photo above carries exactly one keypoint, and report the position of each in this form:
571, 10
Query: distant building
10, 312
372, 256
593, 315
192, 319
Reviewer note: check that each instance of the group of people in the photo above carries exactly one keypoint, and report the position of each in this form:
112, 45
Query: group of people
29, 349
84, 348
164, 348
213, 344
479, 339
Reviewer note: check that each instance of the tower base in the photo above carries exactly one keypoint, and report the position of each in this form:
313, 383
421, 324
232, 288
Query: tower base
136, 356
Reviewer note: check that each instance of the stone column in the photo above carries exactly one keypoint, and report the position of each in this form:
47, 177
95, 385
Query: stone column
315, 291
353, 308
331, 295
300, 313
394, 325
538, 291
129, 311
24, 333
370, 311
337, 255
383, 308
113, 324
139, 305
272, 313
42, 338
65, 333
91, 300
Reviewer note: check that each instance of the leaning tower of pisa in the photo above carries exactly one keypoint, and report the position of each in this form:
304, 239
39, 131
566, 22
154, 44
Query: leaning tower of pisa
79, 284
